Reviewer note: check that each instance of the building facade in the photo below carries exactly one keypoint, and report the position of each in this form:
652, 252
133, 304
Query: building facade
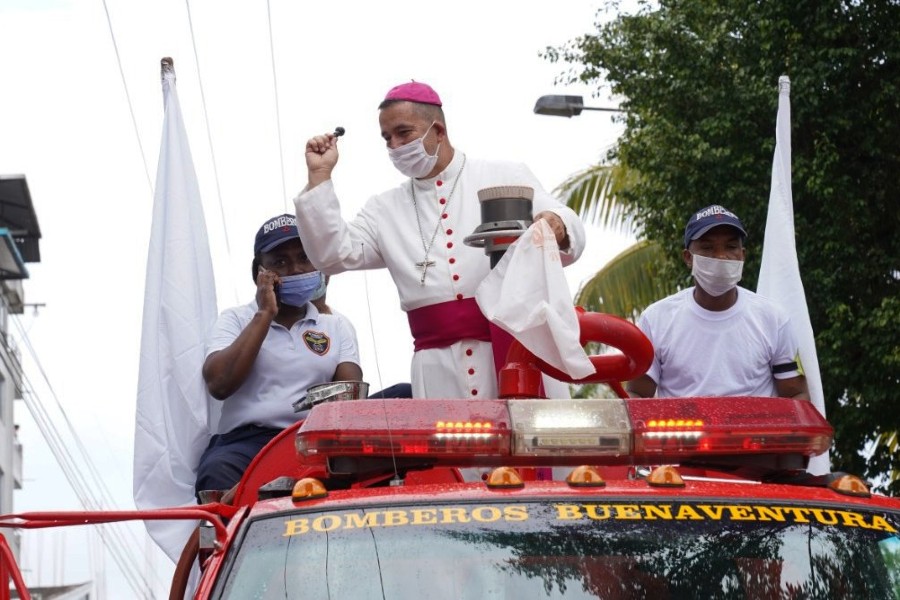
19, 236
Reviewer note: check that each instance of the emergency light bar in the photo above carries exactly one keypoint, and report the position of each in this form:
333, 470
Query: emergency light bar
528, 431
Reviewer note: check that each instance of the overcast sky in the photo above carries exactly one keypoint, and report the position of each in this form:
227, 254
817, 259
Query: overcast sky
88, 142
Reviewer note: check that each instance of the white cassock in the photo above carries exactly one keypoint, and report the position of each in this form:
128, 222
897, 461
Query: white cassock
388, 232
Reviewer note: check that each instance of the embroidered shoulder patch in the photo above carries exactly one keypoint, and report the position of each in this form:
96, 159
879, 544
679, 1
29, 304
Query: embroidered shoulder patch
317, 341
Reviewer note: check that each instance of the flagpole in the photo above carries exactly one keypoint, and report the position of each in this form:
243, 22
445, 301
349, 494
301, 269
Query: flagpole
779, 274
174, 414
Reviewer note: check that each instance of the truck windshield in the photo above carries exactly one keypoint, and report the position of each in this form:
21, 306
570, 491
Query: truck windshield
570, 549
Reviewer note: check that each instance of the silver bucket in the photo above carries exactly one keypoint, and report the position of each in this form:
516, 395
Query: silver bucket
333, 390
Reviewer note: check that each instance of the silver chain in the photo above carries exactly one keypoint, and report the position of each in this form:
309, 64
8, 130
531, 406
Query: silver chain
427, 247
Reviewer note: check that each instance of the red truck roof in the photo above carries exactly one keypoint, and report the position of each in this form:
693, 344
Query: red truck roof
613, 497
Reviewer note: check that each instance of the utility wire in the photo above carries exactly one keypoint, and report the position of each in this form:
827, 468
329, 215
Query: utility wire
289, 208
209, 138
111, 534
128, 98
107, 496
277, 109
84, 490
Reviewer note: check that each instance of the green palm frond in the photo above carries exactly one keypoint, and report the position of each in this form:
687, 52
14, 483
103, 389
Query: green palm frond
594, 194
628, 283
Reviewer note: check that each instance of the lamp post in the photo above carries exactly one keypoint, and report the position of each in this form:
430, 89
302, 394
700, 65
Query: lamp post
565, 106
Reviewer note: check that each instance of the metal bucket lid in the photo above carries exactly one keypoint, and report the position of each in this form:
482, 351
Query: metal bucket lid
344, 390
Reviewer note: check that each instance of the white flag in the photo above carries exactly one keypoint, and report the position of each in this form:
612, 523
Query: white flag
779, 275
174, 414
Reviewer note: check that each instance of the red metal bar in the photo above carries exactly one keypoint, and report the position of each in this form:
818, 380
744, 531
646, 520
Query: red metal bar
211, 513
516, 379
10, 570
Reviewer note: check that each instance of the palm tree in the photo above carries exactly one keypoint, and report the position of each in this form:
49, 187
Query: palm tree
629, 282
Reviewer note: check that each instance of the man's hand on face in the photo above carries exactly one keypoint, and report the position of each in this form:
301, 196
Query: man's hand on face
557, 225
266, 300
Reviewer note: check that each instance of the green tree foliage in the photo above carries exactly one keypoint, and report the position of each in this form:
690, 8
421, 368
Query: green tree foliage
628, 283
698, 82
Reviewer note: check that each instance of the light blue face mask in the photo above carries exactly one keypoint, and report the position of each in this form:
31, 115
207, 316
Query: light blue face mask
321, 291
297, 290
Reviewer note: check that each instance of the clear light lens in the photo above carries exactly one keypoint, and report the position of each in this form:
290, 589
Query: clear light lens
583, 427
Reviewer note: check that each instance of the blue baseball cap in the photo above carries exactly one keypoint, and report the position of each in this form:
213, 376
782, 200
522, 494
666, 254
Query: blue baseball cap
707, 218
275, 232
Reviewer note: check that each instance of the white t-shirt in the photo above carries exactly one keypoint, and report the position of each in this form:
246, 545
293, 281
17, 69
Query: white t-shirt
289, 362
698, 352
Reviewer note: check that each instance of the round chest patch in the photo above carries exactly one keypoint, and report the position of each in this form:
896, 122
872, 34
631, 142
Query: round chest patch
317, 341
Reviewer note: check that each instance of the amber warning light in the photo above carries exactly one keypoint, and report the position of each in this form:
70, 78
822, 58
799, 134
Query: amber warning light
601, 430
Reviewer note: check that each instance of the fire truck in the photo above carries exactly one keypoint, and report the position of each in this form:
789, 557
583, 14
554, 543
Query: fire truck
527, 497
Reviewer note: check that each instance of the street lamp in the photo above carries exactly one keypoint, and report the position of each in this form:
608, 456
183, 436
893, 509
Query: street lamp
565, 106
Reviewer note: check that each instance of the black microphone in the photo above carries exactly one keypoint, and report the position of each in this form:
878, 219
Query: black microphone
339, 131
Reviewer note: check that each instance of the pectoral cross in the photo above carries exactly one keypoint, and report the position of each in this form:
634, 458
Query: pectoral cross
424, 266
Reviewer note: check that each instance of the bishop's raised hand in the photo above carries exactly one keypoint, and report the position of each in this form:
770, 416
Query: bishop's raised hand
321, 157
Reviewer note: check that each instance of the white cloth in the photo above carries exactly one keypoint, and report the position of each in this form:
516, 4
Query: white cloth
698, 352
289, 362
779, 273
174, 415
526, 294
385, 234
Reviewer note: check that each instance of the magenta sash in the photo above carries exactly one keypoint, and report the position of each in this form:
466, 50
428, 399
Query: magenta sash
443, 324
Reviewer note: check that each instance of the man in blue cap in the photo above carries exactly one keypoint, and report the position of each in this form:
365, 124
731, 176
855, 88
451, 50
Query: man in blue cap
716, 338
263, 356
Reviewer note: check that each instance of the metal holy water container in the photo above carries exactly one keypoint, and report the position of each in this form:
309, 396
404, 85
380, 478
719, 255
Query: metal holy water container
333, 390
505, 203
505, 215
210, 496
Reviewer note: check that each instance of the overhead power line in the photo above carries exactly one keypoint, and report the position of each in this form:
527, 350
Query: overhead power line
128, 98
277, 109
90, 489
209, 135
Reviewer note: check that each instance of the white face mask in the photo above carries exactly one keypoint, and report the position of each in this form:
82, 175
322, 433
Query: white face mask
412, 159
716, 276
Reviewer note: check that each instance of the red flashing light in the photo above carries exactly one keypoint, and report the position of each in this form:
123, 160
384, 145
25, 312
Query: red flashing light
674, 423
462, 429
518, 432
736, 425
